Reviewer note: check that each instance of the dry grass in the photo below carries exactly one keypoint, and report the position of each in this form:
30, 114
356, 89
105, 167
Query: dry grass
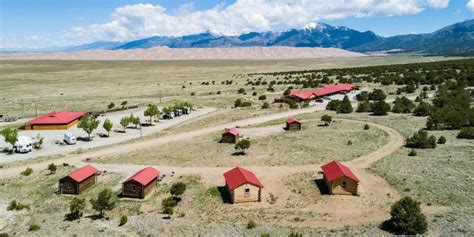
89, 85
313, 145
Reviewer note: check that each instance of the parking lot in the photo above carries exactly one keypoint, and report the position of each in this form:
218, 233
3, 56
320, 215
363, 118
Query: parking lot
53, 138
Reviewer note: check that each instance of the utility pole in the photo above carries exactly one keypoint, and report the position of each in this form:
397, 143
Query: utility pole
160, 96
36, 110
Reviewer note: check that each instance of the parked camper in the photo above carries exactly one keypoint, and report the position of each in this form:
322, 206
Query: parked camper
178, 112
70, 139
187, 110
23, 145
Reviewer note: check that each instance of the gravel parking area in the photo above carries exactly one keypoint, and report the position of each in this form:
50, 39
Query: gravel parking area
51, 137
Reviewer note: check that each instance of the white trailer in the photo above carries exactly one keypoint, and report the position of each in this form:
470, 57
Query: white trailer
23, 145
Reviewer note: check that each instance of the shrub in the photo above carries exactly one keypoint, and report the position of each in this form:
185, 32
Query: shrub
406, 217
111, 105
380, 108
403, 105
177, 189
423, 109
262, 97
242, 145
169, 202
421, 140
123, 220
364, 106
293, 105
441, 140
241, 91
333, 105
366, 127
326, 119
362, 96
412, 152
265, 105
237, 103
105, 201
246, 104
193, 93
76, 206
377, 94
168, 211
34, 227
52, 168
27, 171
254, 93
16, 206
251, 224
466, 133
345, 107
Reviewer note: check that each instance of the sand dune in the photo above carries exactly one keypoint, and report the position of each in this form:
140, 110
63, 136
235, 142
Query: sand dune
165, 53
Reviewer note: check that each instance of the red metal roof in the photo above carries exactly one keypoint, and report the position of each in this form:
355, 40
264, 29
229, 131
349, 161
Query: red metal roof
232, 131
83, 173
238, 176
322, 91
145, 176
292, 120
304, 95
64, 117
335, 170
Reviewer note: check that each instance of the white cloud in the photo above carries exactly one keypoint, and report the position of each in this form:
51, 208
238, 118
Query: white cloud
145, 20
470, 5
438, 3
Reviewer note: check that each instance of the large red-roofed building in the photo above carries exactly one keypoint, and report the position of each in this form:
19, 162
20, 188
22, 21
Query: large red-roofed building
141, 183
55, 121
79, 180
243, 185
340, 179
327, 90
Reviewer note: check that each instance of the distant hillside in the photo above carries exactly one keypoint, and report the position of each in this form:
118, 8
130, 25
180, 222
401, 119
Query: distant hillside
313, 35
457, 38
454, 39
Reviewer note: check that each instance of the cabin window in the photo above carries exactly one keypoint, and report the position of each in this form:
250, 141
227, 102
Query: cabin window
344, 184
132, 188
68, 184
247, 192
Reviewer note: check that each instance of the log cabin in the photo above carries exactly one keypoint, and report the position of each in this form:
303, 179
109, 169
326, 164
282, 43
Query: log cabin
293, 124
79, 180
243, 186
340, 179
230, 135
141, 184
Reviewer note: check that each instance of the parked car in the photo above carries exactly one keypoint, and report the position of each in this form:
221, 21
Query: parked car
70, 139
23, 144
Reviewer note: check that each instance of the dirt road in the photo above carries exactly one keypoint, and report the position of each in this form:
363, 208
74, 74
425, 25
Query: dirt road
143, 144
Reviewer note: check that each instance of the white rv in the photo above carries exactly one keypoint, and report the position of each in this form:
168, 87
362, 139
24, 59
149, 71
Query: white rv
70, 139
23, 145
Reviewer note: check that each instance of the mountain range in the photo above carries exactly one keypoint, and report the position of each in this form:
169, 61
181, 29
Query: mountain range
454, 39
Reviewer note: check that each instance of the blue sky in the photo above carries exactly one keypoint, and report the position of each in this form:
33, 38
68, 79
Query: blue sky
44, 23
